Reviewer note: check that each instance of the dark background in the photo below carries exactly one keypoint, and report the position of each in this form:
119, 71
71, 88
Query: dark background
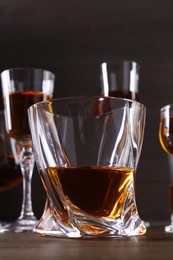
71, 38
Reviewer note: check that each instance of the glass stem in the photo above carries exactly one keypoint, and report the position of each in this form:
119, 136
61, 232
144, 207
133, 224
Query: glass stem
27, 165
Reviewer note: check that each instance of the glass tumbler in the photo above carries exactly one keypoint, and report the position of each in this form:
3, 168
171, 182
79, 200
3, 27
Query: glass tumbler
86, 150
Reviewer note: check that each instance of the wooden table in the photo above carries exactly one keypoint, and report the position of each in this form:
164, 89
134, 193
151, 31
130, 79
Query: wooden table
156, 244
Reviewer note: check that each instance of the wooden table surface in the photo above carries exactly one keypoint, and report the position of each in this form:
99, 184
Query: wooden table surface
156, 244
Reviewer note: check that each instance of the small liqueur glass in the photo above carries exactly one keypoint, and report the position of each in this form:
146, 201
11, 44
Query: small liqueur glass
120, 78
21, 88
166, 141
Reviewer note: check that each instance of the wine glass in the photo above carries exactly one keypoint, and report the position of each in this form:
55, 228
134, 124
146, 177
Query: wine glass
166, 141
21, 88
121, 79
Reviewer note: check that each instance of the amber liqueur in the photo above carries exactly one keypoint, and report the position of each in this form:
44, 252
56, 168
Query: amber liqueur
99, 191
166, 135
166, 140
17, 103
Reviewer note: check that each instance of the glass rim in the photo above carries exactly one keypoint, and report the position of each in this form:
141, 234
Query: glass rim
29, 69
166, 106
88, 97
120, 61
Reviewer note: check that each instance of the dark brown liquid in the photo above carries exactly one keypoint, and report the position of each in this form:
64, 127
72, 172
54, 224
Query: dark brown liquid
10, 174
166, 135
125, 94
17, 104
99, 191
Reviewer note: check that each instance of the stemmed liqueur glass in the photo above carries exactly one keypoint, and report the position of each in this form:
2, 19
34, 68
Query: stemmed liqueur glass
120, 78
166, 140
23, 87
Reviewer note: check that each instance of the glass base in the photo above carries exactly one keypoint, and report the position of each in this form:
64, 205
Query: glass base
169, 228
52, 225
19, 226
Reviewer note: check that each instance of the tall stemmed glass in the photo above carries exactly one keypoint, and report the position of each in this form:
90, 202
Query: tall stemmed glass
120, 78
166, 140
23, 87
